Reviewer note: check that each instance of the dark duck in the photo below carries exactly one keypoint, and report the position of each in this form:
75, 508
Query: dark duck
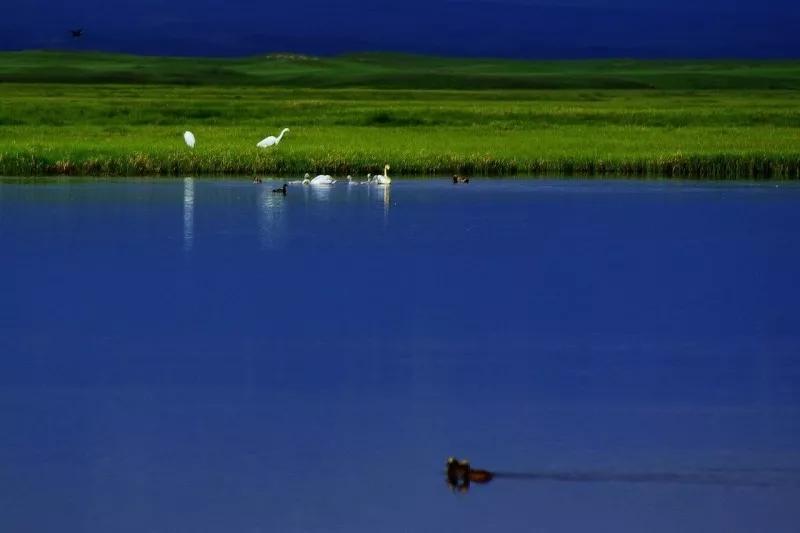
280, 190
460, 474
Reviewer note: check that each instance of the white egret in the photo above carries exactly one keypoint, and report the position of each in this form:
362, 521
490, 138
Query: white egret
384, 179
272, 140
188, 136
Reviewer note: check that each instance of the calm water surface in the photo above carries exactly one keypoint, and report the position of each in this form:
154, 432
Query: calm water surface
204, 356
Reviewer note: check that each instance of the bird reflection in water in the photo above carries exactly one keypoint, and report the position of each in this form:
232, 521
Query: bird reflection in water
188, 213
272, 218
321, 193
387, 201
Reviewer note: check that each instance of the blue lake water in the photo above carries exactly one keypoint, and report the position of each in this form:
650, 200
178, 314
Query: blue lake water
205, 356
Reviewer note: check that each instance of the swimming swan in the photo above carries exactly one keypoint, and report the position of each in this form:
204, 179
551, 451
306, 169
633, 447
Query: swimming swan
385, 179
272, 140
322, 179
351, 181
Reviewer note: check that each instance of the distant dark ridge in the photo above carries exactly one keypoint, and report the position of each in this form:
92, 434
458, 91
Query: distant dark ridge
395, 71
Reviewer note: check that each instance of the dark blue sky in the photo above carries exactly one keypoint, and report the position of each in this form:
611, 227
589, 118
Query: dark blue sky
513, 28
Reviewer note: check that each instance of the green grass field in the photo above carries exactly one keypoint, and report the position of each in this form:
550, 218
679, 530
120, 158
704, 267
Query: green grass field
100, 114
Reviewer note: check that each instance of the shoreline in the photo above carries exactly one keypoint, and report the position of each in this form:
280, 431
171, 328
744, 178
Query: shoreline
725, 167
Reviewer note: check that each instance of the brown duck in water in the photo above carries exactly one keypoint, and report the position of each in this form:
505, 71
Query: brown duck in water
280, 190
460, 179
460, 474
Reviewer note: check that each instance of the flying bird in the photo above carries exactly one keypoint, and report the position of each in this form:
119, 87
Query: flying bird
460, 474
188, 136
77, 33
272, 140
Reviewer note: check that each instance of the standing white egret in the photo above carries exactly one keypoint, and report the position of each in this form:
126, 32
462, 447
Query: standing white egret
384, 179
188, 137
272, 140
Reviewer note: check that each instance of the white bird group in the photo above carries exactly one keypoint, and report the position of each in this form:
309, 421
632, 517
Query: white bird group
322, 179
325, 179
190, 140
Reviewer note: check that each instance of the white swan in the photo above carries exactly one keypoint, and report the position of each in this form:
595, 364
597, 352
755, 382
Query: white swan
272, 140
188, 137
385, 179
322, 179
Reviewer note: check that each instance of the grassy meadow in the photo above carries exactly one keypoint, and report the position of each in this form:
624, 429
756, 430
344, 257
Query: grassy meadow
100, 114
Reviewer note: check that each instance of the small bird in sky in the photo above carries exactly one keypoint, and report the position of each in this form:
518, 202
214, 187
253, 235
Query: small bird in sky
77, 34
460, 474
